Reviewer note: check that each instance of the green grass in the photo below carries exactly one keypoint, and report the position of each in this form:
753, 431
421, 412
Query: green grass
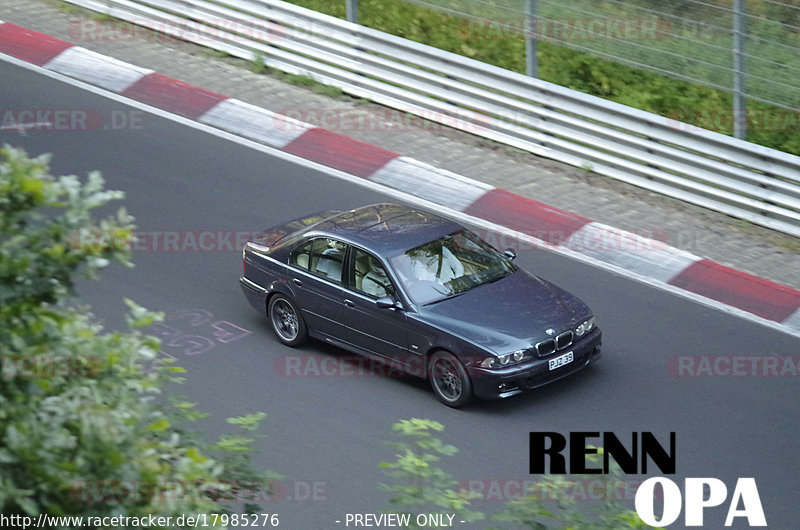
327, 90
644, 89
217, 54
309, 82
64, 7
257, 65
101, 17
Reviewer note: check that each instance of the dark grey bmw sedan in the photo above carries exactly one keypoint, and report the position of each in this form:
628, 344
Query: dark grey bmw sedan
411, 288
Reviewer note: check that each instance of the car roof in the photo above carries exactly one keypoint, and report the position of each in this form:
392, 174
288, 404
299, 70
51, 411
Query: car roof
388, 228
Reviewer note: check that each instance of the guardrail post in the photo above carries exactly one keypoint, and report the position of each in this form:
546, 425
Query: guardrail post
739, 74
531, 62
352, 11
704, 168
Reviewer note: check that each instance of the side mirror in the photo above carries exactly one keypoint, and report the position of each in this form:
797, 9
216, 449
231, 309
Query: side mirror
510, 253
388, 302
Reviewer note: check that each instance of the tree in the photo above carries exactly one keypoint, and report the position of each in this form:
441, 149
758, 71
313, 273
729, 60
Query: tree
85, 429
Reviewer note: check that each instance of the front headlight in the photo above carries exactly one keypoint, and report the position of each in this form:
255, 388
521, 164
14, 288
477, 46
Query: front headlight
584, 327
501, 361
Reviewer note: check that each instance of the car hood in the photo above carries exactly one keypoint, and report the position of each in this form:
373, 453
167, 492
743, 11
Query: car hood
509, 314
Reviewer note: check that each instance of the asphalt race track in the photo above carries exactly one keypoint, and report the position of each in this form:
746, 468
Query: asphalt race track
326, 433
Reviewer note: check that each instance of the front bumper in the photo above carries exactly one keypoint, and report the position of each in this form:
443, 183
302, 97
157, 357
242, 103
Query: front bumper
505, 382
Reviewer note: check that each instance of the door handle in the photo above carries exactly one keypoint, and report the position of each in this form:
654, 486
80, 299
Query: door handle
349, 303
297, 282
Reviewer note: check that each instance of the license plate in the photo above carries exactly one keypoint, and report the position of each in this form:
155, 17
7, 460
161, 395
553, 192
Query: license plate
560, 361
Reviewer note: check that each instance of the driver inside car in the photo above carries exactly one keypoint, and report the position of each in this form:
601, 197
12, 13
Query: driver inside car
436, 264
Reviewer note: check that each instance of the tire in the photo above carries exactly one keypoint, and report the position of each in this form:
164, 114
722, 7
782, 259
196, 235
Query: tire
449, 379
286, 321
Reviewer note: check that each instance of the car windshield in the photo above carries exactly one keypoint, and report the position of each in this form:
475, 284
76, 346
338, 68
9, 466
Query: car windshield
449, 266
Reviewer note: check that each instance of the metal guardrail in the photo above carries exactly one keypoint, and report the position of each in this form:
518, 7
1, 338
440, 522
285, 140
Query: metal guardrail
705, 168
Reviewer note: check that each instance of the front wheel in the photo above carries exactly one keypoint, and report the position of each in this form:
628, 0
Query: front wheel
449, 379
287, 323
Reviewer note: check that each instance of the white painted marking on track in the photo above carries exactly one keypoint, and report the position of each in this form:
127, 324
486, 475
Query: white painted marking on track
793, 321
277, 153
424, 180
96, 69
255, 123
630, 251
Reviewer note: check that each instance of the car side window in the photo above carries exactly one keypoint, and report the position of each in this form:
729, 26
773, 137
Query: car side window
300, 256
370, 276
327, 258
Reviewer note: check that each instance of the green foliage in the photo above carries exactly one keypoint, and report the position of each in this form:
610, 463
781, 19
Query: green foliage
249, 422
65, 7
307, 81
422, 487
327, 90
554, 502
648, 90
102, 17
559, 502
218, 54
84, 428
41, 252
257, 65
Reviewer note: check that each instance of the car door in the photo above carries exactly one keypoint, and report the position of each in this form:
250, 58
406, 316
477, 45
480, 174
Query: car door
381, 331
315, 270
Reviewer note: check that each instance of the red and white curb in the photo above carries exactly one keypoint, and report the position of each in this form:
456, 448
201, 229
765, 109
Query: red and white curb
642, 256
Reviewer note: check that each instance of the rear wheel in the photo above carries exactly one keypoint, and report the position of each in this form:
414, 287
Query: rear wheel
287, 323
449, 379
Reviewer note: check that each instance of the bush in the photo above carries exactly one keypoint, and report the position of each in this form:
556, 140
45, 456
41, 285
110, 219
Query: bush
85, 429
